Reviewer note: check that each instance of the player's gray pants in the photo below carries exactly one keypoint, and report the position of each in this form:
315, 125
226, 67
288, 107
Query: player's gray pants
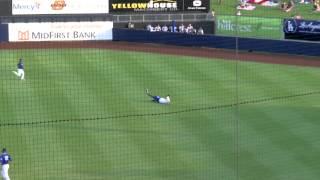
20, 73
5, 172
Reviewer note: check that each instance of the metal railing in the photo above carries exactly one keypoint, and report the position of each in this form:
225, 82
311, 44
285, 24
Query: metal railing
162, 17
117, 18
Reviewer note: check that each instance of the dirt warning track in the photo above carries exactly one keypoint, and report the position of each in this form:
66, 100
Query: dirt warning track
173, 50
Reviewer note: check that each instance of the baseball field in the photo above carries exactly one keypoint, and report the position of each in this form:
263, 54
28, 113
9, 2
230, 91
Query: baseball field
82, 113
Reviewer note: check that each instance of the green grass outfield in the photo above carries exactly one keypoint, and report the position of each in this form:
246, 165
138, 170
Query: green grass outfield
83, 114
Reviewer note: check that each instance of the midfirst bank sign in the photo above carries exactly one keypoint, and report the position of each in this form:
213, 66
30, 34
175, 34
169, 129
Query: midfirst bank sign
64, 31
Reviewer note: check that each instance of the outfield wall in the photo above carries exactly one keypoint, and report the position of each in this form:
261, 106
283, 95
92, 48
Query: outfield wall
4, 32
212, 41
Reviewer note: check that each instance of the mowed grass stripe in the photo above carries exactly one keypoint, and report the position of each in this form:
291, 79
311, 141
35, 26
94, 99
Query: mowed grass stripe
89, 143
119, 98
302, 79
264, 82
126, 124
207, 86
256, 83
50, 111
272, 134
295, 143
214, 154
56, 105
221, 76
77, 145
159, 153
21, 95
288, 83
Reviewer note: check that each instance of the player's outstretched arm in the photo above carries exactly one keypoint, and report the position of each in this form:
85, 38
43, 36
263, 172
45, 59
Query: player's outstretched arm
148, 93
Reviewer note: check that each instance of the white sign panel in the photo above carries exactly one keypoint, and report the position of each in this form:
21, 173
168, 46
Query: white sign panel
60, 31
59, 6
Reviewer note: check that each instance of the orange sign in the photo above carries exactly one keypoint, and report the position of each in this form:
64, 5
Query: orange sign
23, 35
58, 5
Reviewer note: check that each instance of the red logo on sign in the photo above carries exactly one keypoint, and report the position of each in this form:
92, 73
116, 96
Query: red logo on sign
23, 35
58, 5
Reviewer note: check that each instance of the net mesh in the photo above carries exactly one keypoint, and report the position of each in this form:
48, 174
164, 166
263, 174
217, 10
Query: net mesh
82, 111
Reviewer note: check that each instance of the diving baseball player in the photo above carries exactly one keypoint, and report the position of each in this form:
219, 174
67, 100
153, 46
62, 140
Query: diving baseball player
158, 99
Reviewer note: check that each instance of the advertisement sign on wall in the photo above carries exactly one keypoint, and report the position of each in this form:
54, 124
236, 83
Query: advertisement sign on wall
196, 5
60, 31
143, 5
255, 27
158, 5
301, 26
302, 29
24, 7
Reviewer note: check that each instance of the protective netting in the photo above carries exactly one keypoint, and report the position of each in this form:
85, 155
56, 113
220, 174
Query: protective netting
82, 111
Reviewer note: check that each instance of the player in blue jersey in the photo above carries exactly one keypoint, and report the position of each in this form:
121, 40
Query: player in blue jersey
5, 158
158, 99
20, 69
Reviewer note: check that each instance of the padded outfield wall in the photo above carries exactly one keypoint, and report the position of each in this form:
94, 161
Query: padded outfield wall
224, 42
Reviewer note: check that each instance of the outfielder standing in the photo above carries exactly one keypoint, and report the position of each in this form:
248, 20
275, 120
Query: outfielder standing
4, 159
20, 69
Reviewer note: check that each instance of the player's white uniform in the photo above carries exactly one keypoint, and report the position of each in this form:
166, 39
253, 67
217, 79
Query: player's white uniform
5, 172
20, 70
158, 99
20, 73
4, 159
164, 100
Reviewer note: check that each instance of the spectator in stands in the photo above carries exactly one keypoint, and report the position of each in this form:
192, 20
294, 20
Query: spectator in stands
298, 16
287, 6
200, 31
316, 4
172, 29
273, 3
158, 28
181, 28
164, 28
189, 29
130, 25
149, 27
213, 13
305, 2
